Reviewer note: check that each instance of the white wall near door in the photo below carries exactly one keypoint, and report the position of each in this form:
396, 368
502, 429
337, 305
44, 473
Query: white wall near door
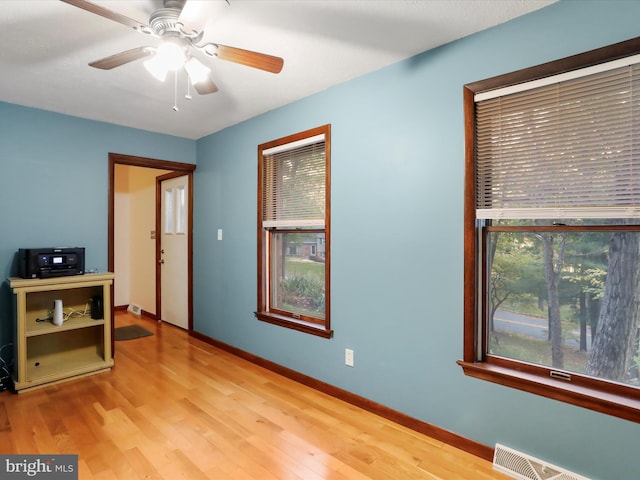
132, 229
121, 239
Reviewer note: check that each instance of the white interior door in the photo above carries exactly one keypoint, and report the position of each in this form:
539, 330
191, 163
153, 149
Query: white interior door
174, 250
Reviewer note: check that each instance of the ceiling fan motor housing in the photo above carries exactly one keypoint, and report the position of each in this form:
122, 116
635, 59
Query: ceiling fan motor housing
165, 20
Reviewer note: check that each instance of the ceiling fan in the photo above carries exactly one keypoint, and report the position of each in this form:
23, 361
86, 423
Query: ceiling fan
175, 50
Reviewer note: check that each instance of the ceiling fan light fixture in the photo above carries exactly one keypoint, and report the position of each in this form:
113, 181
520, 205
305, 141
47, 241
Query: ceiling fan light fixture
156, 68
198, 72
168, 57
171, 54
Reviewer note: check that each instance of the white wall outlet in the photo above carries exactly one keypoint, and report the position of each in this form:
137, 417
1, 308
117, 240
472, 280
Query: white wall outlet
219, 234
348, 357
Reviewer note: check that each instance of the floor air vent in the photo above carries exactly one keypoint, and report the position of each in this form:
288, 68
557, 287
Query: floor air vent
524, 467
133, 308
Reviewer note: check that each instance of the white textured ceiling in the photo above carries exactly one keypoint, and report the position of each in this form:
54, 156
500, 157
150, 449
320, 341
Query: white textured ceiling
45, 46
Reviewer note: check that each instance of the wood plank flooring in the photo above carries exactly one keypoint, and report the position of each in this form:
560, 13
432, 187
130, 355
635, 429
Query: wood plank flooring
174, 407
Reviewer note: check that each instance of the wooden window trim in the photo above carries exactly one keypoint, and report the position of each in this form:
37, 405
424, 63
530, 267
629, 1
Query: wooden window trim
274, 316
299, 325
611, 403
598, 395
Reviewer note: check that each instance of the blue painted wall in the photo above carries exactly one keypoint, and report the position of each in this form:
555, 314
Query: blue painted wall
397, 169
54, 184
397, 210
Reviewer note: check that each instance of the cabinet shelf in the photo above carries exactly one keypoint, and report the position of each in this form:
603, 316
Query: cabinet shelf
47, 353
34, 328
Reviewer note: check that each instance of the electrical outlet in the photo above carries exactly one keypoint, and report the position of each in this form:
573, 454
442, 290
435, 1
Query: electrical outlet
219, 234
348, 357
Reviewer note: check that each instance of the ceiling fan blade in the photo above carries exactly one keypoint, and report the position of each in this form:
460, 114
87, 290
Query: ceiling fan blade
261, 61
106, 13
206, 87
194, 12
121, 58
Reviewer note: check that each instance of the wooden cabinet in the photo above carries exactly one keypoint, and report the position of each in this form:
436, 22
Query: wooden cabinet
46, 353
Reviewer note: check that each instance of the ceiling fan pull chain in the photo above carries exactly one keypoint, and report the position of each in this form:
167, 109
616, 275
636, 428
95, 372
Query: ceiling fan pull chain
175, 92
188, 95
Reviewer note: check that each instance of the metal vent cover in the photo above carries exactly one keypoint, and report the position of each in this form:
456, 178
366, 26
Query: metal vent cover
525, 467
135, 309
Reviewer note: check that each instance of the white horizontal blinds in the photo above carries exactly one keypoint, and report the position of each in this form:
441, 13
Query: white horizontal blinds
294, 185
569, 149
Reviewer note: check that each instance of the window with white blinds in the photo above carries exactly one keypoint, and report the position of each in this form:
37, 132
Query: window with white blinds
552, 229
294, 231
294, 184
569, 148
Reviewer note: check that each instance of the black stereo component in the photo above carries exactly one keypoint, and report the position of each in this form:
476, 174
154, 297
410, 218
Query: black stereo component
97, 309
50, 262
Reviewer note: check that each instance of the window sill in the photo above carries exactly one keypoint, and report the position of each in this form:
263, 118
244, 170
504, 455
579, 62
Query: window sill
604, 402
299, 325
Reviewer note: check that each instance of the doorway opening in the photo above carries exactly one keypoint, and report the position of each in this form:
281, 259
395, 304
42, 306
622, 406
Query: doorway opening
162, 166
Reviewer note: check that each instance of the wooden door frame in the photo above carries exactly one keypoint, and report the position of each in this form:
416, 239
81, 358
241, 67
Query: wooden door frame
183, 169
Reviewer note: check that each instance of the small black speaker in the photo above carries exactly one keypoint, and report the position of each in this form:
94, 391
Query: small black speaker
97, 310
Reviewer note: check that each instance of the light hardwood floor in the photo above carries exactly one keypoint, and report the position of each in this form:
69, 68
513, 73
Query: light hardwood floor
175, 407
